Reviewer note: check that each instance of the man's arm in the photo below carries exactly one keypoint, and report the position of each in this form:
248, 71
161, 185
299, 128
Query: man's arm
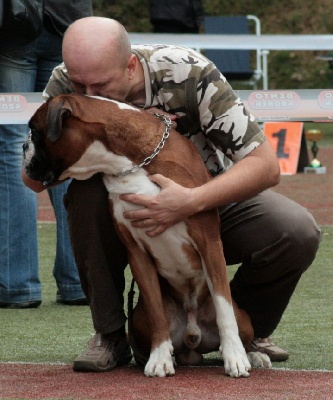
256, 172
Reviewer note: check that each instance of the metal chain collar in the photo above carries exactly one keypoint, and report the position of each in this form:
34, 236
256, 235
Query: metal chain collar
167, 121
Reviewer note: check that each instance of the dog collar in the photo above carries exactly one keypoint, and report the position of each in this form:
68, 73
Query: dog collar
168, 124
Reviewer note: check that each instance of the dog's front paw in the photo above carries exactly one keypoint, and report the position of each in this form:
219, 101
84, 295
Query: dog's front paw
259, 360
160, 362
236, 363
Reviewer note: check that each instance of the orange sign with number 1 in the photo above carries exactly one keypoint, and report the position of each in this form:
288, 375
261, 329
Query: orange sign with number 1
285, 138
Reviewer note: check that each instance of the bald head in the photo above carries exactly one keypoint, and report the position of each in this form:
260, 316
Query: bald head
99, 61
94, 40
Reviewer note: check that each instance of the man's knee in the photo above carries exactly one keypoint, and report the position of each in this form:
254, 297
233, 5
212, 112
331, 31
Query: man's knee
304, 235
296, 230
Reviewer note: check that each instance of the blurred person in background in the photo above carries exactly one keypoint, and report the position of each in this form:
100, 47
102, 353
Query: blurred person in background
30, 47
174, 16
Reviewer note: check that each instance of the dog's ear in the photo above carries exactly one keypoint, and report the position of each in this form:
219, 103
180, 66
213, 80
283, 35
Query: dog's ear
57, 111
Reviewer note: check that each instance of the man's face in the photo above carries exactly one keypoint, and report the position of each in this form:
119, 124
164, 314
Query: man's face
97, 80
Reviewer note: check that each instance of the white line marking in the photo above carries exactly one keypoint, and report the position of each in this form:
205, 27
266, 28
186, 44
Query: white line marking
191, 366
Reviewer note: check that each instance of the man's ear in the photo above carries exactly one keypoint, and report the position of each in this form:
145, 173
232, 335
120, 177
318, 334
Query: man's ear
58, 110
132, 66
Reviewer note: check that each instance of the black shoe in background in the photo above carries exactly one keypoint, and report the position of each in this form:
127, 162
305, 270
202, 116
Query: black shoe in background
21, 305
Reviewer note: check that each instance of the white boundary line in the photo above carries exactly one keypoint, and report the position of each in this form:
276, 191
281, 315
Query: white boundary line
192, 366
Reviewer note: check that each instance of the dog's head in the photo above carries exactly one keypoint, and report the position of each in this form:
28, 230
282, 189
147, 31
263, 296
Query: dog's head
37, 162
58, 137
76, 136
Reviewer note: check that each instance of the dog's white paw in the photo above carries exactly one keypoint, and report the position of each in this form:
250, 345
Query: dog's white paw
160, 362
259, 360
236, 362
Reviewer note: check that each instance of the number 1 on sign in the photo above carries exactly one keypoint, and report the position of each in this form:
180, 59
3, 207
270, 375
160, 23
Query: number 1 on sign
281, 136
285, 138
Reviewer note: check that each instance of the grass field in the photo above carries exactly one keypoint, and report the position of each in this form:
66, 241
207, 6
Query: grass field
56, 334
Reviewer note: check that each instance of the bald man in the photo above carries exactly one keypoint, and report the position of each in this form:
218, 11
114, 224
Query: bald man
272, 238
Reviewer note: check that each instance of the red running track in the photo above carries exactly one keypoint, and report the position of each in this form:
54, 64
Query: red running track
28, 381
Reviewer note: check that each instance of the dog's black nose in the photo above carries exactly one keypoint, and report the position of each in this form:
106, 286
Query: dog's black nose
49, 178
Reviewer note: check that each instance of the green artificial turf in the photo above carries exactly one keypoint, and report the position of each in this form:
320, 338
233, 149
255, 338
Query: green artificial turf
56, 333
306, 329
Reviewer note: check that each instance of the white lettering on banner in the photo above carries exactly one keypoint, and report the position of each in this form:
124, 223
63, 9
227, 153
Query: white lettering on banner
274, 100
10, 99
325, 99
275, 104
274, 95
12, 103
10, 107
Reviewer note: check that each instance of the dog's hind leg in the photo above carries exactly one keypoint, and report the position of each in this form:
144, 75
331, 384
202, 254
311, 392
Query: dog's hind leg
138, 331
190, 357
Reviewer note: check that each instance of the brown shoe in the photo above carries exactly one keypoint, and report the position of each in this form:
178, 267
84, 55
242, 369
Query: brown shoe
266, 346
104, 353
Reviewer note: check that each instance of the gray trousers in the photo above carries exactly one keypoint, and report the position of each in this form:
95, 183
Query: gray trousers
272, 238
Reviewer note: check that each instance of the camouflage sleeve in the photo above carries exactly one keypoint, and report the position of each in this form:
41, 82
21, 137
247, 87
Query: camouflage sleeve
210, 114
58, 83
224, 118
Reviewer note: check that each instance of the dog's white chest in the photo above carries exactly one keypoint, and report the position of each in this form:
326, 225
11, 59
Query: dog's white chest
174, 263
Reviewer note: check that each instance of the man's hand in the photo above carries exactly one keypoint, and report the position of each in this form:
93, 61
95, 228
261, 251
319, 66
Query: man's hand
173, 117
170, 206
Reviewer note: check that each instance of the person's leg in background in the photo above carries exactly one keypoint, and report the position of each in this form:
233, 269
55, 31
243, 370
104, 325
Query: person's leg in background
19, 281
65, 271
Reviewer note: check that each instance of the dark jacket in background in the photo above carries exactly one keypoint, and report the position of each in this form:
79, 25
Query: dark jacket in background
75, 9
21, 21
176, 15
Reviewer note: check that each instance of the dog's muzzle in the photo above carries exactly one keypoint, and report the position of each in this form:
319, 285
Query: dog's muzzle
35, 166
28, 151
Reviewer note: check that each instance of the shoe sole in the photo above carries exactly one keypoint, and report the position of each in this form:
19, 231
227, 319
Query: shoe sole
278, 358
89, 366
274, 357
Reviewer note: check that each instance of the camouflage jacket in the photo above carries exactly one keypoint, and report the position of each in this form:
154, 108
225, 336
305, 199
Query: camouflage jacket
183, 82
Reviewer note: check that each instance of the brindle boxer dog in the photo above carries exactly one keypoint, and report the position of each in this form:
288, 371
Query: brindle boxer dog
184, 308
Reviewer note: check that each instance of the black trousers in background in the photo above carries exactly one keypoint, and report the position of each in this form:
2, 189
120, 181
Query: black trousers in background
167, 26
272, 238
